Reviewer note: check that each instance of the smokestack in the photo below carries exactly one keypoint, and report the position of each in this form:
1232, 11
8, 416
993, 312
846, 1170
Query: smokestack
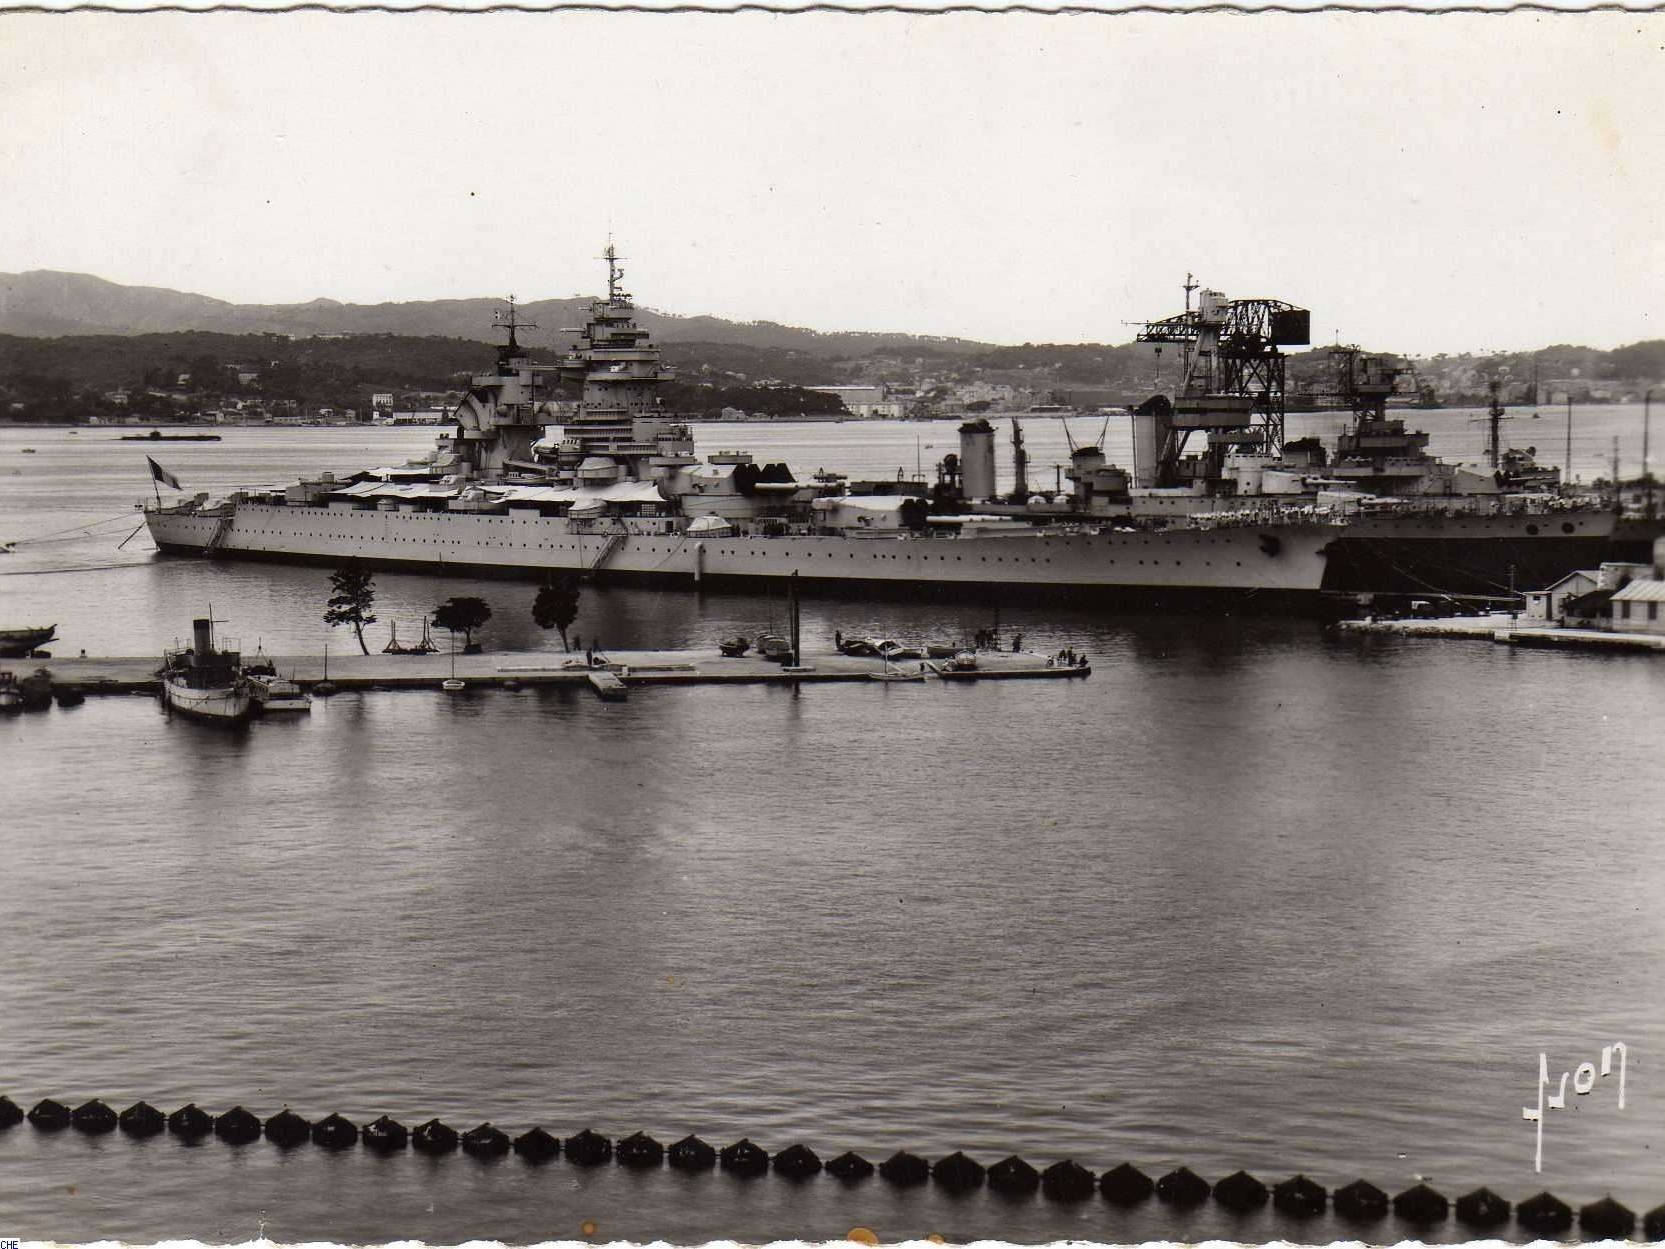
202, 633
977, 459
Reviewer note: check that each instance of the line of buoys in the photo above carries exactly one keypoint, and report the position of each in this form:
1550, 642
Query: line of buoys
1066, 1181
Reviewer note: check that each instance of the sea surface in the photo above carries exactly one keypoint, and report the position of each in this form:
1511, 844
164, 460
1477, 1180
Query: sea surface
1251, 896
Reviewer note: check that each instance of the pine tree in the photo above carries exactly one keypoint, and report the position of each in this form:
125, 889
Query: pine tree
462, 615
355, 595
556, 606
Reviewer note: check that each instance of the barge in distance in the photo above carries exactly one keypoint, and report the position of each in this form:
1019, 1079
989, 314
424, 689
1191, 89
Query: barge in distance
621, 494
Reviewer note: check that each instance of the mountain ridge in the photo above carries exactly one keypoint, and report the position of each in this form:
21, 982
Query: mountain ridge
43, 303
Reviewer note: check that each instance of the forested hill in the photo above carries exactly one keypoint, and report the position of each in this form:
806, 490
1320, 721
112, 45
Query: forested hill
45, 302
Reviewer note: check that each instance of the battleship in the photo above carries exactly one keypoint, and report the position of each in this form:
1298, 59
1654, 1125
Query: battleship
619, 493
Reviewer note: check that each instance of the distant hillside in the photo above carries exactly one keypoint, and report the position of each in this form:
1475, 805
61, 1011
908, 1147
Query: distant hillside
43, 302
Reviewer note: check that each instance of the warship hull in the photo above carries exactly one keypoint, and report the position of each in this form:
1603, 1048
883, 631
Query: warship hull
1471, 555
1275, 566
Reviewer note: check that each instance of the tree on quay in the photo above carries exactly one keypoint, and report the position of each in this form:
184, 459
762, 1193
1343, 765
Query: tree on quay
462, 615
355, 595
556, 606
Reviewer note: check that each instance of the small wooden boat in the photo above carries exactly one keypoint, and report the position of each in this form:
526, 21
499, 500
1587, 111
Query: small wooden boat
17, 643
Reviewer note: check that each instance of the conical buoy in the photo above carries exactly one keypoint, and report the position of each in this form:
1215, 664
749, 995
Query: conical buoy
141, 1119
692, 1154
93, 1118
536, 1145
1607, 1219
385, 1135
485, 1141
10, 1114
957, 1173
1068, 1181
434, 1137
190, 1123
849, 1167
1240, 1192
796, 1162
334, 1132
1182, 1188
1360, 1201
743, 1158
1545, 1214
1013, 1177
237, 1127
639, 1151
286, 1129
1653, 1224
49, 1115
1299, 1197
1126, 1185
587, 1148
1421, 1205
1482, 1208
904, 1169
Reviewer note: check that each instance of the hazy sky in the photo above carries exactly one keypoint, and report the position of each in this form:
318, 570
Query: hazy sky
1421, 183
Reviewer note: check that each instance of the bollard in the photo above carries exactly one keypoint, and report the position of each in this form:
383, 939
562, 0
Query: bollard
94, 1118
1607, 1219
904, 1170
796, 1162
957, 1173
1299, 1198
237, 1127
692, 1154
1482, 1208
1067, 1181
744, 1158
286, 1129
639, 1151
10, 1115
1240, 1192
849, 1167
1126, 1185
484, 1141
1183, 1188
1544, 1214
334, 1132
587, 1148
536, 1145
385, 1136
190, 1123
1013, 1177
434, 1137
49, 1116
140, 1120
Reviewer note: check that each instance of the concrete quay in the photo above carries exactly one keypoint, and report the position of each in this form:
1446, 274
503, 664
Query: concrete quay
1505, 629
137, 673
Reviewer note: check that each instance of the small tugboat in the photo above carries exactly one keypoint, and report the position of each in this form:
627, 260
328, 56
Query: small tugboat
204, 683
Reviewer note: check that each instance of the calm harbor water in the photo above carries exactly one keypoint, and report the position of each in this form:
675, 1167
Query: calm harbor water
1251, 896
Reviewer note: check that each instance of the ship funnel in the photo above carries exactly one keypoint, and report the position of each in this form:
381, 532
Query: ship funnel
202, 634
977, 459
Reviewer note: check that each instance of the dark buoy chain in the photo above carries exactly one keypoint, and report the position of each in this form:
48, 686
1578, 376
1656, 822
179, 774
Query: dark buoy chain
1067, 1181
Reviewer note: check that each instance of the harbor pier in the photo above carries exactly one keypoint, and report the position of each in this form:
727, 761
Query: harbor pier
509, 669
